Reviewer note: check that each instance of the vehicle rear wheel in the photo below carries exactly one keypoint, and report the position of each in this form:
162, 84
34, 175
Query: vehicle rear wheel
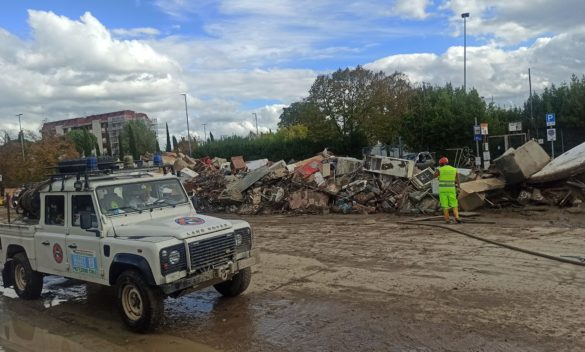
141, 306
236, 285
28, 283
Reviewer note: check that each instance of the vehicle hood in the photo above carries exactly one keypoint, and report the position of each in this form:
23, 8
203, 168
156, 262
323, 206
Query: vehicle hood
177, 226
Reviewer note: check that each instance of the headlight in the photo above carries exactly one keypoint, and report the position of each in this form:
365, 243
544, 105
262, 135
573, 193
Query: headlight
243, 238
174, 257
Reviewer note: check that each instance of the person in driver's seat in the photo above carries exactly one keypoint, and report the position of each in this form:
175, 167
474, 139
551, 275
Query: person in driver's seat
141, 197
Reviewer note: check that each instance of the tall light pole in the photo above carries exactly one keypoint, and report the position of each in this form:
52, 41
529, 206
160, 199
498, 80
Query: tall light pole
256, 116
465, 16
204, 133
21, 135
187, 115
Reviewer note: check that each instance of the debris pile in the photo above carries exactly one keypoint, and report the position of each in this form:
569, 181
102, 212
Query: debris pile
321, 184
327, 183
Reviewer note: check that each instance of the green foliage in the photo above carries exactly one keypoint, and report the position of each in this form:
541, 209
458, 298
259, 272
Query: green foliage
97, 150
168, 147
83, 140
175, 144
138, 138
121, 151
211, 139
132, 144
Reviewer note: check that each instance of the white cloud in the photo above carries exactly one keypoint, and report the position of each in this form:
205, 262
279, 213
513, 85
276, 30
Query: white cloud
513, 22
136, 32
411, 8
494, 71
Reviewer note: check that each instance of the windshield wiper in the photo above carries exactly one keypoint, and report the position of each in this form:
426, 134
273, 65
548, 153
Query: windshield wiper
124, 208
164, 201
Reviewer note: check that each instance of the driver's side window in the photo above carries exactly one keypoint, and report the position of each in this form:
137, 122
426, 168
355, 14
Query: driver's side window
82, 203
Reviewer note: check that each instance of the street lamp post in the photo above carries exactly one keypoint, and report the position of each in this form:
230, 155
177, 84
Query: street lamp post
465, 16
204, 133
256, 116
187, 115
21, 135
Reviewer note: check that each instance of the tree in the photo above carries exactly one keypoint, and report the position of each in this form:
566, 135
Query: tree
41, 157
132, 146
120, 146
211, 139
97, 149
168, 148
83, 140
175, 144
143, 137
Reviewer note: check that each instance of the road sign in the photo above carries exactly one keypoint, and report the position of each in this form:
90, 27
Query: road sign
550, 119
484, 129
486, 156
476, 133
551, 134
515, 126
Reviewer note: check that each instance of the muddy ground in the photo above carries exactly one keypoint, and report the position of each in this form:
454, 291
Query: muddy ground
350, 283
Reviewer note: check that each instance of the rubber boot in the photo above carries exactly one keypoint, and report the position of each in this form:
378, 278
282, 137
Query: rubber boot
446, 216
456, 214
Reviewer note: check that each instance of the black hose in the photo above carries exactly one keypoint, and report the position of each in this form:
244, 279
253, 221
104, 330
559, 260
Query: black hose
514, 248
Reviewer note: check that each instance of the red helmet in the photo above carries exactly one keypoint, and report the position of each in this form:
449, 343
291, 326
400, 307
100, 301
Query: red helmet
443, 161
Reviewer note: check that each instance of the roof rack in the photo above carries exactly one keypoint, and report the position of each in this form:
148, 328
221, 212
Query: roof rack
101, 174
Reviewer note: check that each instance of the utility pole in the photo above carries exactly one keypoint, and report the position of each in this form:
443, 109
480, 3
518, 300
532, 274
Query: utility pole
21, 135
531, 116
188, 132
204, 133
255, 115
465, 16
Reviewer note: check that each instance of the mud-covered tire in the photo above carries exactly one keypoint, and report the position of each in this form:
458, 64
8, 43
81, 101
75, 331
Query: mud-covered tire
28, 283
236, 285
140, 305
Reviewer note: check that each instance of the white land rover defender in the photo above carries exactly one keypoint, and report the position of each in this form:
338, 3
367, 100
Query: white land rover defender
135, 230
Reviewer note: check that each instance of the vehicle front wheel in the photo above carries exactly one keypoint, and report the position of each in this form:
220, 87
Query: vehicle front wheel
28, 283
236, 285
141, 306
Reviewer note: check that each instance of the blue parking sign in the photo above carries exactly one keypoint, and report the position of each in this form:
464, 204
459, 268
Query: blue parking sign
550, 119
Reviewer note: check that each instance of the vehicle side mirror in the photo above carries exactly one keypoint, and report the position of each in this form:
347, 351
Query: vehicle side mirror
85, 220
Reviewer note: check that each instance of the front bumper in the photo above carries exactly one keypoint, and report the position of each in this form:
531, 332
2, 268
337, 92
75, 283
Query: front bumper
212, 276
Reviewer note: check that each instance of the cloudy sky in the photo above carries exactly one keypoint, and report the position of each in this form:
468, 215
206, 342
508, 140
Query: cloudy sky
61, 59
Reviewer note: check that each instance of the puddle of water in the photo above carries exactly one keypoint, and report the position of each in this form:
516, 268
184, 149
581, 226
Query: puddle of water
17, 335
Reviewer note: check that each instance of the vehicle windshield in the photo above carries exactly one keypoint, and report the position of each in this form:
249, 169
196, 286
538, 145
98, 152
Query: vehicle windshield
136, 197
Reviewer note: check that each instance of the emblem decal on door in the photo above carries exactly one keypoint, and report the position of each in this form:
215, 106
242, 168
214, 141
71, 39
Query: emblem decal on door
58, 253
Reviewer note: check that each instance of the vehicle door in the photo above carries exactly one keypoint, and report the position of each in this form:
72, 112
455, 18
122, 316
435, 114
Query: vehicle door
83, 246
50, 241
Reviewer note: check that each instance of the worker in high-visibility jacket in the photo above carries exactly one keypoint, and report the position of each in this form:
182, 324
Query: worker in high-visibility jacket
448, 184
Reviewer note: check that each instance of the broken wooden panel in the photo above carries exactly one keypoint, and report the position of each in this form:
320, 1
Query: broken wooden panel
471, 201
305, 198
238, 164
483, 185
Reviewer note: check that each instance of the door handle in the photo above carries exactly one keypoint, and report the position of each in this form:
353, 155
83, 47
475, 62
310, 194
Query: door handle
46, 243
72, 246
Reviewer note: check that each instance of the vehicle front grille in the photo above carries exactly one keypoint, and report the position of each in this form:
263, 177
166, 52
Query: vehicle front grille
212, 252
